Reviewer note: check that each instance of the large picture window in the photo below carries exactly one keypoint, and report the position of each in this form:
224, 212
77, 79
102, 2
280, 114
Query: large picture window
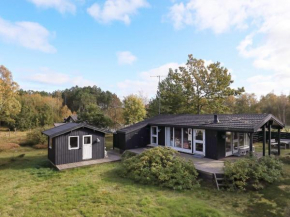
73, 142
185, 139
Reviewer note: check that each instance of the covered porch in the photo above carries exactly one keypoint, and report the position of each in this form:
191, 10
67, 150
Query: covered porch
268, 142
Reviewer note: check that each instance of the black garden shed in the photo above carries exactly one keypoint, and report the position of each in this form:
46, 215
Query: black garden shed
75, 142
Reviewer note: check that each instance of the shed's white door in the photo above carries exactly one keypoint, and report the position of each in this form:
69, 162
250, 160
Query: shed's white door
87, 147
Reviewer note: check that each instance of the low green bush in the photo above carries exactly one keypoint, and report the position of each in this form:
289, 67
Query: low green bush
252, 173
286, 159
160, 166
35, 137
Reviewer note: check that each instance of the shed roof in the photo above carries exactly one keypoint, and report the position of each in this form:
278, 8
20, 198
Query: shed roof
62, 129
234, 122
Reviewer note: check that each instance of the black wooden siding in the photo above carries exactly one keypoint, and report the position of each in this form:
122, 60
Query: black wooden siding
51, 151
60, 153
136, 139
258, 137
221, 144
211, 144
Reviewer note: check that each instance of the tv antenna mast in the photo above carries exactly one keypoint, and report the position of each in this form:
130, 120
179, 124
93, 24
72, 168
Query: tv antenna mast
158, 76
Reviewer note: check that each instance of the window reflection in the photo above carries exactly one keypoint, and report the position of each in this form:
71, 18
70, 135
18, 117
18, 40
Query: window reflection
177, 137
187, 138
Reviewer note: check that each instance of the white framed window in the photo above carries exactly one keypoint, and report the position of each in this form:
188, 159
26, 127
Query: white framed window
179, 139
50, 143
73, 142
154, 135
199, 141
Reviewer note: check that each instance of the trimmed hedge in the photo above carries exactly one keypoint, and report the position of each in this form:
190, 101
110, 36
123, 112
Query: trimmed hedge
160, 166
252, 173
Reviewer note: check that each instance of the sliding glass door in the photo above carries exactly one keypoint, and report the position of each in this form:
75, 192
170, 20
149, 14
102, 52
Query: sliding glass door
229, 150
234, 141
199, 142
182, 139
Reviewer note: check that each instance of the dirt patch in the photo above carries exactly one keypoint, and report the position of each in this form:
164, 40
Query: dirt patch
8, 146
40, 146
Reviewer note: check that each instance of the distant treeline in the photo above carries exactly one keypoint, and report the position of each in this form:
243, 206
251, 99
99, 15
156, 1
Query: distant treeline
40, 108
194, 89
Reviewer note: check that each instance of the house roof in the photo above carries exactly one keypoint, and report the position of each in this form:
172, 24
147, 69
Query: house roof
62, 129
233, 122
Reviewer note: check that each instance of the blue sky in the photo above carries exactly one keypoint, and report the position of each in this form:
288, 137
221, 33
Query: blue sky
118, 44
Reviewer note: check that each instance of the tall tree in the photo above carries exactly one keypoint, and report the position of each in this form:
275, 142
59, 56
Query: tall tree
115, 111
206, 87
134, 109
9, 105
246, 103
197, 88
94, 115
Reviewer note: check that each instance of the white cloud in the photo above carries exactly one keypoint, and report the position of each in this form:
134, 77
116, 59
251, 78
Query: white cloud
268, 32
61, 5
263, 84
27, 34
50, 77
126, 57
217, 15
145, 83
120, 10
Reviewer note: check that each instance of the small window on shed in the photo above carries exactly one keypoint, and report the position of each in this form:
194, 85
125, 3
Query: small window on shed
50, 143
73, 142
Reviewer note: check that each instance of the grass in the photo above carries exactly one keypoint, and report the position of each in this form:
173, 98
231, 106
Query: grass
31, 187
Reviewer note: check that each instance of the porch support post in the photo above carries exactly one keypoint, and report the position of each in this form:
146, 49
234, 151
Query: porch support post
269, 141
279, 136
264, 140
251, 144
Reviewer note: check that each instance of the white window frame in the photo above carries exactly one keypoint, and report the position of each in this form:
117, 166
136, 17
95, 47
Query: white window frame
198, 141
69, 147
156, 136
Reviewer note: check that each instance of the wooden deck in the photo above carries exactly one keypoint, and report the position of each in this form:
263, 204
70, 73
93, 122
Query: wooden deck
112, 156
203, 165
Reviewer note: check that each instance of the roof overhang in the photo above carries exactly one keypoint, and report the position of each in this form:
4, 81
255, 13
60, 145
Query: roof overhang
270, 119
75, 128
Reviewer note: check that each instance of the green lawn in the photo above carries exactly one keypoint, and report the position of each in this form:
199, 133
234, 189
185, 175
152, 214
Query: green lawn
30, 187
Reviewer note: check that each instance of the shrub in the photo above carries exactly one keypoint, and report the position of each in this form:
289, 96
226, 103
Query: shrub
127, 154
160, 166
286, 159
252, 172
35, 137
